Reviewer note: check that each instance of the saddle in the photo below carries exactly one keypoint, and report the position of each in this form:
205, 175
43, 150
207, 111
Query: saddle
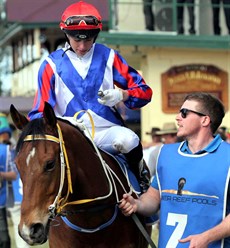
130, 176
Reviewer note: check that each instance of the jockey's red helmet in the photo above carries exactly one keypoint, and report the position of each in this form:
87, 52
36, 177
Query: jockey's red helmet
81, 20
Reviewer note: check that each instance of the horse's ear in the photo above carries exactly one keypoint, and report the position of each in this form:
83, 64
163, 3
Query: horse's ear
19, 120
49, 115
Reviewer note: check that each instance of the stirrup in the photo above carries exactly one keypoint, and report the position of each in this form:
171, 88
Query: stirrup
144, 183
144, 176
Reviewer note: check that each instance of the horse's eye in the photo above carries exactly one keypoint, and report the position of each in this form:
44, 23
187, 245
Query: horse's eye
49, 165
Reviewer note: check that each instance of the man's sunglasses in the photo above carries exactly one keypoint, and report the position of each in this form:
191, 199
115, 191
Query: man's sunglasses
78, 20
184, 112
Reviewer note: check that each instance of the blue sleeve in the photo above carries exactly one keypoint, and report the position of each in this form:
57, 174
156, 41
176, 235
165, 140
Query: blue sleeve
154, 183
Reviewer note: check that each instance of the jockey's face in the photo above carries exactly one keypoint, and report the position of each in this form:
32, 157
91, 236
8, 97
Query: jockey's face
81, 47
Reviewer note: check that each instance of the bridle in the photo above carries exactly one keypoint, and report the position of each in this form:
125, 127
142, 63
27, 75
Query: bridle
56, 207
59, 203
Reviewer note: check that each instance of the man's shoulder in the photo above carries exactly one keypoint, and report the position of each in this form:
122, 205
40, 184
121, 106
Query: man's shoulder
171, 146
226, 145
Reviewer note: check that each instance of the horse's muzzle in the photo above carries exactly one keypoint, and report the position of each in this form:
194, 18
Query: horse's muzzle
37, 234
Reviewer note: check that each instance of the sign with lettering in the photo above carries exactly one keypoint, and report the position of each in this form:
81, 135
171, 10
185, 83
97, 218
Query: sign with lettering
178, 81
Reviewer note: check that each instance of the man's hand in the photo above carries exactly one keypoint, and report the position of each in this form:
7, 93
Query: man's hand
128, 205
110, 97
196, 241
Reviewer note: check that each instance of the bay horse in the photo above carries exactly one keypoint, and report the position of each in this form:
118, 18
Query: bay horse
71, 191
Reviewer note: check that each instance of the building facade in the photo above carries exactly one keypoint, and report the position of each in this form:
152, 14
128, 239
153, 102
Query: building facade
31, 31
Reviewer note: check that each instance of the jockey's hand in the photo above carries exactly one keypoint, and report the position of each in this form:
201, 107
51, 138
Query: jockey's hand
111, 97
128, 205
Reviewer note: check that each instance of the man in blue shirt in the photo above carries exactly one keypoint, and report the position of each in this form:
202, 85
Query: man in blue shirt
7, 173
191, 183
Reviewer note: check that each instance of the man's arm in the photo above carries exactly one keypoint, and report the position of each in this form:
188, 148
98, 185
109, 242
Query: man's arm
8, 176
146, 205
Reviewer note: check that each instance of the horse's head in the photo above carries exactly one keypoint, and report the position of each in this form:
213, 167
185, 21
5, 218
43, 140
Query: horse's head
37, 161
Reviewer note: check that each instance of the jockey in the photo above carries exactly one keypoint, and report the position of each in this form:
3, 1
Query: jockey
70, 79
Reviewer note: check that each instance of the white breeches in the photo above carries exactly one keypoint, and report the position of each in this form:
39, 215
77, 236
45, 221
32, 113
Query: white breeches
116, 139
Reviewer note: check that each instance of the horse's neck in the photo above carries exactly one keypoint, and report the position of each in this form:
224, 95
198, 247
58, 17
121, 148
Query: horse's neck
91, 168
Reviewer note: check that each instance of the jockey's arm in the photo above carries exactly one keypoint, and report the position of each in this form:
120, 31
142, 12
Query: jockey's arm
125, 95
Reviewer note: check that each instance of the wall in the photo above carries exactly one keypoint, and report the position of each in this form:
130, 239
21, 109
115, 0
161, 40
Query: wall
159, 60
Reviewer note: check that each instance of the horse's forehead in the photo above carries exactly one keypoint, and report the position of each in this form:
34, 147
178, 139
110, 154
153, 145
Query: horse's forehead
30, 155
39, 149
29, 152
25, 155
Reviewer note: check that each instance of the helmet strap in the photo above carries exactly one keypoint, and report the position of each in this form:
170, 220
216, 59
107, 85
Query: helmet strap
95, 38
67, 39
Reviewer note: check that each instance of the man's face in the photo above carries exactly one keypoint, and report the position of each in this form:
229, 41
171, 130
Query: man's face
4, 137
192, 123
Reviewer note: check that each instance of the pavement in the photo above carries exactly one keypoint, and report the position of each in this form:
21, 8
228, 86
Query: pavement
13, 245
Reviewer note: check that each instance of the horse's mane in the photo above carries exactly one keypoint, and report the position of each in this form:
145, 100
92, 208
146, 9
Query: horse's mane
76, 127
34, 127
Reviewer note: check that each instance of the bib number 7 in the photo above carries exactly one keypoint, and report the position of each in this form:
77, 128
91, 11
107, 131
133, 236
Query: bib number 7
180, 221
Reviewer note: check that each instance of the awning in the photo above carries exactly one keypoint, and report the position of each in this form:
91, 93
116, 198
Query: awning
22, 104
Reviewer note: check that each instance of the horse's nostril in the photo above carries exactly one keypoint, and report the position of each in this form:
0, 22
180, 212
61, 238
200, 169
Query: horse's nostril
36, 231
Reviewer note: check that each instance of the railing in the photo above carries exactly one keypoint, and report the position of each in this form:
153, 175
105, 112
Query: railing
128, 15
